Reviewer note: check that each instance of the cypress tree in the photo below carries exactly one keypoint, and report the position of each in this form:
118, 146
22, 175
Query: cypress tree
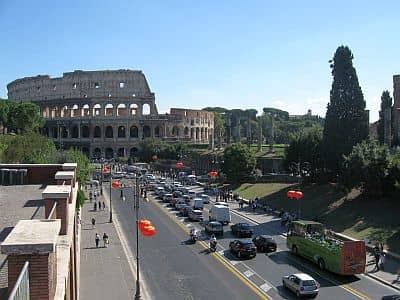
346, 122
386, 102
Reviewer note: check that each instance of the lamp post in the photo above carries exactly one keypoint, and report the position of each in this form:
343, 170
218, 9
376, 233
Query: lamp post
301, 168
110, 198
136, 206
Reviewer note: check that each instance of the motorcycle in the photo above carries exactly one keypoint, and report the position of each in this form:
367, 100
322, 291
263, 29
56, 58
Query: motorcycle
213, 246
194, 237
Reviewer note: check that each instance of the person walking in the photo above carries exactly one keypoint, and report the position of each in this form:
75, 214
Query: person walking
99, 205
382, 261
97, 240
93, 223
104, 205
376, 256
105, 240
95, 206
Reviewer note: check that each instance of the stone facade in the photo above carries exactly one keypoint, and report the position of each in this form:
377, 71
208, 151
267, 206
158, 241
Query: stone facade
107, 113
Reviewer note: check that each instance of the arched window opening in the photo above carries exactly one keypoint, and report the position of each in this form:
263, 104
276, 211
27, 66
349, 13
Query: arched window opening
157, 131
121, 132
97, 110
133, 152
121, 152
109, 153
134, 132
46, 112
191, 133
108, 110
75, 132
54, 132
197, 133
97, 132
146, 109
97, 153
75, 111
133, 109
64, 132
121, 110
109, 132
85, 131
85, 110
64, 112
186, 132
175, 131
146, 131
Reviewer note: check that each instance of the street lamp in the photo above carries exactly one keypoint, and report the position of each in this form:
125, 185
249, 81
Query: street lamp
136, 206
112, 185
301, 169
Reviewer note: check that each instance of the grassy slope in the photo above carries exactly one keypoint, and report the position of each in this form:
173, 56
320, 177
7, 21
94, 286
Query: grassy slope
350, 214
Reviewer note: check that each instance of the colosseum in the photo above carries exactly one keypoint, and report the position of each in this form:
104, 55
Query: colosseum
107, 113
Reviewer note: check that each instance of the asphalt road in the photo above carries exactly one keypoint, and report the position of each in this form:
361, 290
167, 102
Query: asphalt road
171, 267
175, 269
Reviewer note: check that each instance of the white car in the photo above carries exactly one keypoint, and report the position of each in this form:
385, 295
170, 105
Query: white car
301, 284
195, 215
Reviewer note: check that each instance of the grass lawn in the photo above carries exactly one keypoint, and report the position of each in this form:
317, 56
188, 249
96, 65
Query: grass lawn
350, 214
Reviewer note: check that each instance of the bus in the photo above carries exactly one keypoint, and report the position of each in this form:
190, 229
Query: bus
310, 240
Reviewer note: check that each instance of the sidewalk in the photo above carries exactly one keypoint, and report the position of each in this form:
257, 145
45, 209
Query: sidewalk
104, 272
390, 276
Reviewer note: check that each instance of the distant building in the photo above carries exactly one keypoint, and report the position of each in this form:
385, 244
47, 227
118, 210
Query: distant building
307, 116
38, 225
107, 113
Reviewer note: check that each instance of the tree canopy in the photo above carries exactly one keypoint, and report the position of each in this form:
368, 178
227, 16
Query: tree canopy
346, 122
239, 162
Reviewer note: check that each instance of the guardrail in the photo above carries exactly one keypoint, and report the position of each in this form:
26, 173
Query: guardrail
21, 287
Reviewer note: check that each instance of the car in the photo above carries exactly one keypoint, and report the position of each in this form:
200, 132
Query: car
221, 203
195, 215
265, 243
184, 210
179, 204
206, 198
214, 227
301, 284
242, 230
167, 197
243, 248
186, 198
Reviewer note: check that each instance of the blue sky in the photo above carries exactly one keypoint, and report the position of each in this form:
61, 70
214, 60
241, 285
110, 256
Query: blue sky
234, 54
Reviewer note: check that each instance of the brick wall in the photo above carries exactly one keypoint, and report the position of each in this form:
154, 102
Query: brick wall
42, 274
61, 212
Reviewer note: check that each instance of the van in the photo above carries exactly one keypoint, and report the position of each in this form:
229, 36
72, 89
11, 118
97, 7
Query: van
198, 203
220, 213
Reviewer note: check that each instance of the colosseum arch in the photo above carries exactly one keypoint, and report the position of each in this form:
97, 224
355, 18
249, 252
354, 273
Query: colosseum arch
54, 132
97, 153
109, 132
85, 112
146, 109
202, 133
46, 112
157, 131
108, 109
64, 132
146, 131
121, 110
133, 108
75, 132
109, 153
75, 111
133, 151
186, 131
85, 131
121, 132
97, 110
46, 131
133, 132
197, 133
121, 152
54, 112
97, 132
64, 112
175, 131
192, 133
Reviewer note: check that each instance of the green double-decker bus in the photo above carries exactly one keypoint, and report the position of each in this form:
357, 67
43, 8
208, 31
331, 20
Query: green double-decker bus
310, 240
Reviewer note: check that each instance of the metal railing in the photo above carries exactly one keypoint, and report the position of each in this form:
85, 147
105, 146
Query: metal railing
53, 212
21, 287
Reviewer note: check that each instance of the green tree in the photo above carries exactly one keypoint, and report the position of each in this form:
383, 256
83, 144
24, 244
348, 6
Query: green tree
30, 148
346, 122
386, 102
239, 162
371, 167
83, 164
4, 112
305, 146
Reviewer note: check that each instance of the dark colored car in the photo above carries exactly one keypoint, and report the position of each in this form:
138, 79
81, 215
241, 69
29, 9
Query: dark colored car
264, 243
184, 210
214, 227
242, 230
243, 248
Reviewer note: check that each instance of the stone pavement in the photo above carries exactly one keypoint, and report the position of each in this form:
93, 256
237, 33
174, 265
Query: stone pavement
104, 272
389, 276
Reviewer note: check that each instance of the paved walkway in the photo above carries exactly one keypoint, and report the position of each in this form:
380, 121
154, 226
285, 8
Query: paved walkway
390, 276
105, 272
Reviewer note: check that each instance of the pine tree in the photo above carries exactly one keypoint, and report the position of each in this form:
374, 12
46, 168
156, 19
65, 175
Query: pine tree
386, 102
346, 122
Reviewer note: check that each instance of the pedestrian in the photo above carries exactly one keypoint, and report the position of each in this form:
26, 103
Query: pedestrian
376, 256
104, 205
90, 196
382, 261
93, 223
381, 247
99, 205
95, 206
105, 240
97, 239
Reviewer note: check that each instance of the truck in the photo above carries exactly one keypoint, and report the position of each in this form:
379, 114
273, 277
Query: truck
312, 241
220, 213
198, 203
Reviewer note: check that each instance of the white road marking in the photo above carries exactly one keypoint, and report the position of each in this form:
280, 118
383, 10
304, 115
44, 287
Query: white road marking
265, 287
221, 252
233, 262
248, 273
